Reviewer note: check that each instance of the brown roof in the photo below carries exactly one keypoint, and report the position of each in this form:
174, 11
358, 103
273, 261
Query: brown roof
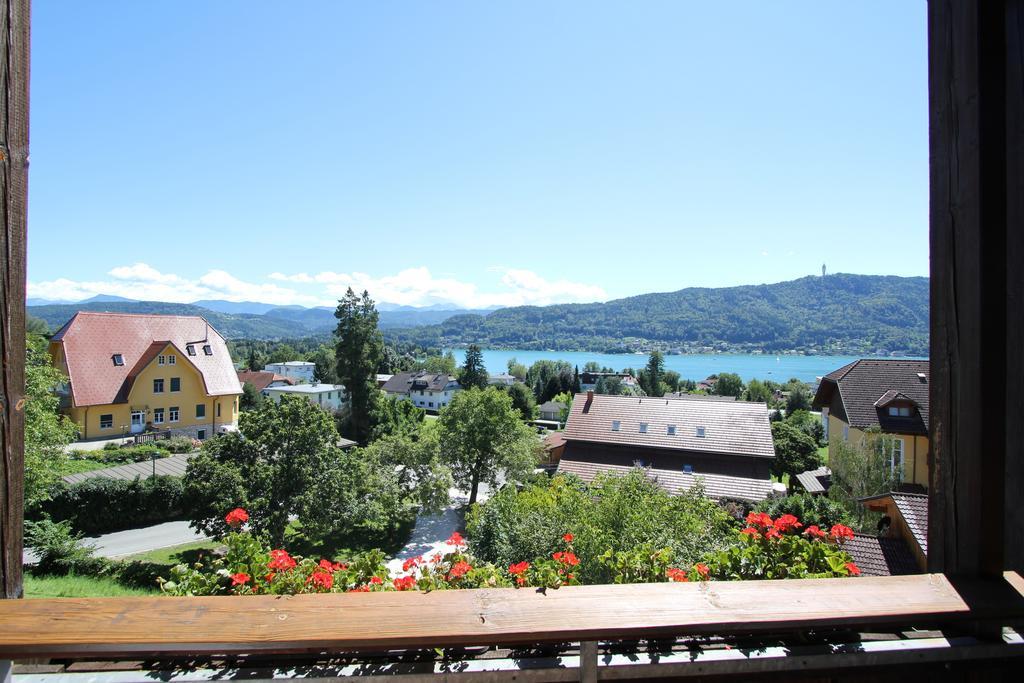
405, 381
261, 379
868, 385
699, 397
90, 340
554, 440
913, 507
676, 481
733, 428
881, 556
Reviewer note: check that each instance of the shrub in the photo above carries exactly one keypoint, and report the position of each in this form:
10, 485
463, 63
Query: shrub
181, 444
617, 513
135, 453
816, 510
100, 505
59, 549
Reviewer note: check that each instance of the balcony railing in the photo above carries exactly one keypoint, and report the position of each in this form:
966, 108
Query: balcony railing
367, 623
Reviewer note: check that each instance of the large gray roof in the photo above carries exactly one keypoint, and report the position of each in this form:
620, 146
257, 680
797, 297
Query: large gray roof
404, 381
733, 428
866, 387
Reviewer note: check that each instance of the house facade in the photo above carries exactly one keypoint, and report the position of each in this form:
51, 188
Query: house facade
131, 373
888, 395
330, 397
552, 411
298, 371
426, 390
725, 446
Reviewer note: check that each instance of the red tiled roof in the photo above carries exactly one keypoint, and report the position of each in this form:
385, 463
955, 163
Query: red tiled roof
261, 379
554, 440
90, 340
732, 428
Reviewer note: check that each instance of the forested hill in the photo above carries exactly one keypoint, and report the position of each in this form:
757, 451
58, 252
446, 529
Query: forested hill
841, 314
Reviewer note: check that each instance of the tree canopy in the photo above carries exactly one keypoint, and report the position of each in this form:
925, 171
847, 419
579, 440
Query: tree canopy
795, 452
473, 373
358, 352
47, 432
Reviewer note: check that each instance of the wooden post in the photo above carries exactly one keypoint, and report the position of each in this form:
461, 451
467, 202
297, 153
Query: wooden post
14, 79
975, 125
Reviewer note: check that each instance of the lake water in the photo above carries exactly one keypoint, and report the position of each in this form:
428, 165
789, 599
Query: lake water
690, 366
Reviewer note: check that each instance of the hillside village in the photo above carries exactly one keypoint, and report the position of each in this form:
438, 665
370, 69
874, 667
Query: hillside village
162, 414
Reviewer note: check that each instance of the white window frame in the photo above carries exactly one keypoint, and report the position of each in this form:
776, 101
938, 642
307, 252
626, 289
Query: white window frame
161, 381
160, 360
109, 426
171, 359
158, 416
174, 414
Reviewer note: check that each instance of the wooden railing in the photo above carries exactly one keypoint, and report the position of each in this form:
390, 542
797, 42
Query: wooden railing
167, 626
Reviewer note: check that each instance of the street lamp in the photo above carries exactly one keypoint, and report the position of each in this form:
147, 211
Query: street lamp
154, 456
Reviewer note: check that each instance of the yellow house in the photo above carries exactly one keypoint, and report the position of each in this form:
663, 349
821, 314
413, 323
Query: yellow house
132, 373
890, 395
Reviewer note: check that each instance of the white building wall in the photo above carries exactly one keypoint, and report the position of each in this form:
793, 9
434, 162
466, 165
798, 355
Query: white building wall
299, 371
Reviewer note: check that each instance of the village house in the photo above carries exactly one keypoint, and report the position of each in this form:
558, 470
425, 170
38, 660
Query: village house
551, 411
501, 379
330, 397
888, 395
725, 445
299, 371
262, 380
426, 390
589, 380
129, 373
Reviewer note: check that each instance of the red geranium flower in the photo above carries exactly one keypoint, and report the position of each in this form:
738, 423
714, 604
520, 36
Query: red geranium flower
236, 518
411, 562
760, 519
280, 560
360, 589
772, 533
566, 558
404, 583
518, 568
853, 569
436, 558
787, 522
751, 531
702, 569
376, 580
841, 533
332, 567
814, 532
568, 538
239, 578
459, 569
676, 574
456, 539
269, 577
321, 579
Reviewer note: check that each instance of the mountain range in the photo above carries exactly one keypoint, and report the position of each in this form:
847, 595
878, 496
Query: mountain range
839, 314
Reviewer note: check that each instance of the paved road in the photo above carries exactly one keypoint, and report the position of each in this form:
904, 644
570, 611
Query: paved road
121, 543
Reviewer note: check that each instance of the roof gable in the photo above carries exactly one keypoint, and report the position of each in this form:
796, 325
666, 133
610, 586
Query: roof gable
867, 386
90, 340
734, 428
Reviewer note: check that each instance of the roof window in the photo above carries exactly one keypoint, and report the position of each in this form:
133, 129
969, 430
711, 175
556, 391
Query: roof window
671, 430
687, 469
643, 427
190, 350
701, 432
118, 359
922, 378
615, 425
207, 349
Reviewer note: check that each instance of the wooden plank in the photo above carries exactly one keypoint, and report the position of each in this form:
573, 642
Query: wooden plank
337, 622
969, 287
14, 80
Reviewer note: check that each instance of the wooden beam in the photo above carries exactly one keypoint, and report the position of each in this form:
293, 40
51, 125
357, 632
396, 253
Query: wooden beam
343, 622
975, 287
14, 80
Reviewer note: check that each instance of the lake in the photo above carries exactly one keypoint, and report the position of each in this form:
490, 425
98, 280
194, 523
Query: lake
690, 366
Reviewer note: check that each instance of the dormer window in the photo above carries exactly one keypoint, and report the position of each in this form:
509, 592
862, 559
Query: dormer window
118, 359
671, 430
615, 425
701, 432
207, 349
899, 411
643, 427
190, 350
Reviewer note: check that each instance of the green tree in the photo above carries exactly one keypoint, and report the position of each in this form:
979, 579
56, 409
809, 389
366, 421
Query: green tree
551, 389
357, 353
36, 326
799, 399
522, 400
439, 365
729, 384
591, 366
757, 391
860, 470
576, 387
654, 374
483, 438
611, 386
283, 353
564, 398
253, 362
325, 365
473, 372
251, 399
808, 424
795, 452
394, 416
47, 432
672, 379
517, 369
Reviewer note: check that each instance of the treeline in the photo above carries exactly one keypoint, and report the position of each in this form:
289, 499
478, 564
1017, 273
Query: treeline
841, 313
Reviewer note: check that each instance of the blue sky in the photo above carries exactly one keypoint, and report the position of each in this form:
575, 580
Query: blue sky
472, 153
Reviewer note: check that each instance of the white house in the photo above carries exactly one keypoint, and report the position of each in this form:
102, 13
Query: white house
295, 370
501, 379
328, 396
428, 391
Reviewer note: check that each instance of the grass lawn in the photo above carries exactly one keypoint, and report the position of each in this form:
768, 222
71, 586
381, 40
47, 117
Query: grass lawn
74, 466
176, 554
78, 587
823, 453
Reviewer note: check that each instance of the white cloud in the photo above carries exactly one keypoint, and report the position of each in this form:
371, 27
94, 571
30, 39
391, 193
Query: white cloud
410, 287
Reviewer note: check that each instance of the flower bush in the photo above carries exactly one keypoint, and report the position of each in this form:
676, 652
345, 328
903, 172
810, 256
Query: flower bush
782, 548
767, 549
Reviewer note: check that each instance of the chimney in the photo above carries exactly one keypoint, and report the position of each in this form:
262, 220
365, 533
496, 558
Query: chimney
590, 399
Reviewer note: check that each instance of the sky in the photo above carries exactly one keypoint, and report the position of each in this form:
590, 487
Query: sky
472, 154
